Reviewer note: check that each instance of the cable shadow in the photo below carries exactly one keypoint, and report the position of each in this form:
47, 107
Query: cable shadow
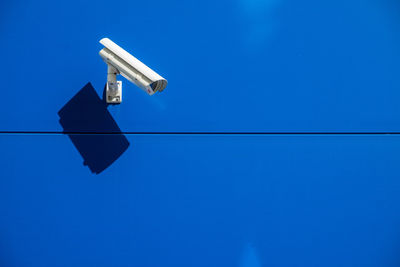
93, 131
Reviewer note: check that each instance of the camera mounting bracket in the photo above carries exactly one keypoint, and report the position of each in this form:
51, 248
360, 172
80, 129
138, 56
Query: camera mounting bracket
113, 87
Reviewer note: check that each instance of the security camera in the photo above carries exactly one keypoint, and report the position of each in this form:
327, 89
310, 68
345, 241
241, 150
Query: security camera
121, 62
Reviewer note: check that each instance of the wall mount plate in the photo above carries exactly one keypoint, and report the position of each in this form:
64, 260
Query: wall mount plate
114, 92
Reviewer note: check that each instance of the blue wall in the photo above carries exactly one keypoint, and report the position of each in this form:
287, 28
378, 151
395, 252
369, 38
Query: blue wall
232, 65
195, 176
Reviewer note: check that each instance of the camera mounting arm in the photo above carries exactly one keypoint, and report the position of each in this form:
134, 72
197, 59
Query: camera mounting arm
113, 87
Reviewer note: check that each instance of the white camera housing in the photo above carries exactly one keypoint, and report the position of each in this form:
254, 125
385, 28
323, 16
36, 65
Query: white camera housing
121, 62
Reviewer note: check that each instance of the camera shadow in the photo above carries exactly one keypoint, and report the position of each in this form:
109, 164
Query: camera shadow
93, 131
